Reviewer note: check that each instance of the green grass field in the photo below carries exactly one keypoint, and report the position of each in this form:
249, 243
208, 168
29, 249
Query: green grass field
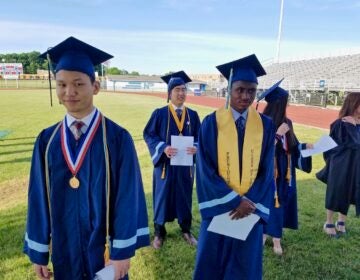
309, 254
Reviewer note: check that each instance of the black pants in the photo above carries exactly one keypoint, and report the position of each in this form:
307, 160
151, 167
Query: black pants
160, 230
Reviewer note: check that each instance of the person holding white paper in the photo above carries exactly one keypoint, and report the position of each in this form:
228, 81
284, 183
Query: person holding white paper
172, 185
234, 173
342, 170
284, 213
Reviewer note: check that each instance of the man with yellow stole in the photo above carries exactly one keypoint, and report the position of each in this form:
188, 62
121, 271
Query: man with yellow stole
235, 174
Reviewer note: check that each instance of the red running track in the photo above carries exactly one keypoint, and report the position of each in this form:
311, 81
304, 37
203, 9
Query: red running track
307, 115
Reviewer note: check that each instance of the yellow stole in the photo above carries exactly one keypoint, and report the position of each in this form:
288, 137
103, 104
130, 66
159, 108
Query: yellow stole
179, 123
228, 150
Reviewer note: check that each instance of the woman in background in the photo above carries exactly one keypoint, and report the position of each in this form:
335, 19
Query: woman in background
287, 158
342, 170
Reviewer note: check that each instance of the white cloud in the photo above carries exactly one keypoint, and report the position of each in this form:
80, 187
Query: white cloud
156, 52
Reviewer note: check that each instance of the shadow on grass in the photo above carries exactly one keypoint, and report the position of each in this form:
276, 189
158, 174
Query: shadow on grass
19, 138
16, 152
17, 144
25, 159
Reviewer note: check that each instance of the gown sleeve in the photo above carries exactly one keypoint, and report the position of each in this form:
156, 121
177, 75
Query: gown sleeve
154, 142
129, 224
37, 236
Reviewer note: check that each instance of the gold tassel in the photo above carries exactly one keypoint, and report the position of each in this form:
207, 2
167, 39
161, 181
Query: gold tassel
277, 204
288, 171
163, 172
106, 253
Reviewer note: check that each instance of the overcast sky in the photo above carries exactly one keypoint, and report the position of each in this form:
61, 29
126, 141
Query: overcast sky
157, 36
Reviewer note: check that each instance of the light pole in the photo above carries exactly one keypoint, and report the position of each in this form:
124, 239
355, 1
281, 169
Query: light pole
279, 32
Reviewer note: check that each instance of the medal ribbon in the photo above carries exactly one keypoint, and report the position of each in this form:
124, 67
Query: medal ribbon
179, 123
79, 158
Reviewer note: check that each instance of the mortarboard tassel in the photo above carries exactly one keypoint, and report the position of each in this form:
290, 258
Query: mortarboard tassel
229, 90
288, 171
49, 72
163, 172
277, 204
107, 253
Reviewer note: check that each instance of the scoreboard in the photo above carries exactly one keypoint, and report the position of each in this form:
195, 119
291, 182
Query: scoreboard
11, 70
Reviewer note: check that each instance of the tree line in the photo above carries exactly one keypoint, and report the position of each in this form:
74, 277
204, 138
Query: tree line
32, 62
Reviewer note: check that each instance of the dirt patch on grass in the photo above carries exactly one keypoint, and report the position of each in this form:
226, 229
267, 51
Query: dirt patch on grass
13, 192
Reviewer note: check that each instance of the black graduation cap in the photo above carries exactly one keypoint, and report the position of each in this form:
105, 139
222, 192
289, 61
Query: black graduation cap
75, 55
273, 93
244, 69
179, 75
174, 80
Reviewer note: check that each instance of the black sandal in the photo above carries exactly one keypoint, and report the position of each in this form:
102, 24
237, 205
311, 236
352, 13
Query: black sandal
331, 235
339, 224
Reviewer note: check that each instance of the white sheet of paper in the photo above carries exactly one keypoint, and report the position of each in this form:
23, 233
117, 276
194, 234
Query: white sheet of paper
239, 229
107, 273
181, 143
324, 144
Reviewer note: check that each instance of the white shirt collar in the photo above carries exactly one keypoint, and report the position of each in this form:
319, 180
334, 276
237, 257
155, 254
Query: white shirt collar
175, 107
86, 120
237, 115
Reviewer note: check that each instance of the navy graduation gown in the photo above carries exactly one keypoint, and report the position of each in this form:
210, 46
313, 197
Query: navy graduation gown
78, 216
219, 256
172, 195
286, 216
342, 170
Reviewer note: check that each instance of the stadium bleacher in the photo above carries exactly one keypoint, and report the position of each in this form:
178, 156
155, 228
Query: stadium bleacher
340, 73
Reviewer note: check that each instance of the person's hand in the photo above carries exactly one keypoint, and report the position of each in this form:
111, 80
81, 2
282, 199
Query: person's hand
349, 119
170, 152
309, 146
191, 150
121, 268
245, 208
283, 128
42, 271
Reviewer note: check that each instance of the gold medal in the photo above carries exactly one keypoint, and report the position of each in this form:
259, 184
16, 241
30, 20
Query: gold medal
74, 182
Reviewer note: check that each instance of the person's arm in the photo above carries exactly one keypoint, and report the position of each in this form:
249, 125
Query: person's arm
349, 119
195, 129
37, 236
128, 220
155, 143
121, 268
42, 272
300, 162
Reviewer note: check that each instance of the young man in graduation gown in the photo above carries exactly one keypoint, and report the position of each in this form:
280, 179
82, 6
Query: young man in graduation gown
234, 168
86, 201
172, 185
284, 212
